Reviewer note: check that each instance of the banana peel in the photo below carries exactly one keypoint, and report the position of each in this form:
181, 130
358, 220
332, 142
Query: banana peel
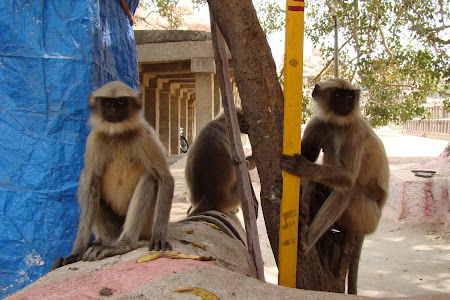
198, 245
179, 255
151, 256
173, 255
213, 226
204, 294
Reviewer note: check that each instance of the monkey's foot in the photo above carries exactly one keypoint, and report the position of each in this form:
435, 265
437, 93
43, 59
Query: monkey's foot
100, 252
60, 262
159, 245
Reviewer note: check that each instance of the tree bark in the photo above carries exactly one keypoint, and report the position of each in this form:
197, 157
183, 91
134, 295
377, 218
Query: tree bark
261, 95
325, 266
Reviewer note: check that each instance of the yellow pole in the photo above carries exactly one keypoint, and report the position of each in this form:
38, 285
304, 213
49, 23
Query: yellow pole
293, 74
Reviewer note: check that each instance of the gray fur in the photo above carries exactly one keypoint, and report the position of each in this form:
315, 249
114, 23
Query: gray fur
355, 167
126, 189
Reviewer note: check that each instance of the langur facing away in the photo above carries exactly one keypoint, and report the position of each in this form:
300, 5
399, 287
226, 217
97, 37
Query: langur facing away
210, 169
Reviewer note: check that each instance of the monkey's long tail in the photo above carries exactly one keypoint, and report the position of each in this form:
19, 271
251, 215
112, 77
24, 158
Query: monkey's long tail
331, 210
352, 278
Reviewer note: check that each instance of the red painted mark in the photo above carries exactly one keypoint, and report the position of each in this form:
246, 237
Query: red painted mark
120, 279
428, 200
296, 8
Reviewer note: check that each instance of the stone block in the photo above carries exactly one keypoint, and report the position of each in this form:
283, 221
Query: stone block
203, 65
416, 200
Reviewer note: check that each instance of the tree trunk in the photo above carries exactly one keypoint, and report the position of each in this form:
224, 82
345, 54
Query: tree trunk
325, 266
261, 95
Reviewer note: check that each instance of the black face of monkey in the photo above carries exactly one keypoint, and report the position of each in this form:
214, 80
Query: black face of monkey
114, 110
340, 101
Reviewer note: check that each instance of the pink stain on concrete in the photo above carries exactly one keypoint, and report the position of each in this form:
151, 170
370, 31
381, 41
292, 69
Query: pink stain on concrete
118, 279
402, 201
428, 200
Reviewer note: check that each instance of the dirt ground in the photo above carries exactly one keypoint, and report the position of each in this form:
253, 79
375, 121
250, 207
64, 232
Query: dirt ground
397, 260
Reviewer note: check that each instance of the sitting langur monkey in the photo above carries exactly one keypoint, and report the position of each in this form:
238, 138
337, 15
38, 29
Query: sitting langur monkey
210, 169
125, 189
354, 175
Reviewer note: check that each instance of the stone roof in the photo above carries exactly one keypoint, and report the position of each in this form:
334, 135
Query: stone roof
168, 36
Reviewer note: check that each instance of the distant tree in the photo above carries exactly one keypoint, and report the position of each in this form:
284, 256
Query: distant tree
270, 12
166, 9
397, 51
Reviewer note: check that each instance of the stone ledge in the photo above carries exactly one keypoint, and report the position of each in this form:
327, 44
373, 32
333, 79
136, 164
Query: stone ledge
121, 277
168, 36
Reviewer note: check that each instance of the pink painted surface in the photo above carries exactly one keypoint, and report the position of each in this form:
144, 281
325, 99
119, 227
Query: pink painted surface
402, 201
120, 279
428, 200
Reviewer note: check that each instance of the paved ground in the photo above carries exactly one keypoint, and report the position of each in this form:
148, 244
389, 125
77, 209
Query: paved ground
397, 260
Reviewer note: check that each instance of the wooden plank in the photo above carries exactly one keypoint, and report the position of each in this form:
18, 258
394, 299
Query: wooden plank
243, 180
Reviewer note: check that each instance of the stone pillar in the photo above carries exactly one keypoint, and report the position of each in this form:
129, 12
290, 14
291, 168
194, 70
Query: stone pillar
164, 113
151, 104
175, 121
217, 97
191, 120
204, 95
183, 113
236, 97
204, 70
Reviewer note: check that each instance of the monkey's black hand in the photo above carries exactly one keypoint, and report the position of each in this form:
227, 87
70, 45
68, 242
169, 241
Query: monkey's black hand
243, 125
251, 162
60, 262
100, 252
297, 165
158, 243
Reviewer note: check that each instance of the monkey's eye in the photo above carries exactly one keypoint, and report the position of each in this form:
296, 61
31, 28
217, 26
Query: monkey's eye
122, 101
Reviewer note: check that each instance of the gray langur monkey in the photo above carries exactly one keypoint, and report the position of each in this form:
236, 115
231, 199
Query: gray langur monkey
210, 168
125, 188
354, 176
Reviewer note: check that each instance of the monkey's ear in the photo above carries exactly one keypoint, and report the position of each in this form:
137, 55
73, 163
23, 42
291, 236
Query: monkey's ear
91, 100
316, 90
138, 101
357, 92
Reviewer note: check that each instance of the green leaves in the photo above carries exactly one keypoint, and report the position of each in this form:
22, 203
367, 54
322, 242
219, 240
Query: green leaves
397, 50
165, 8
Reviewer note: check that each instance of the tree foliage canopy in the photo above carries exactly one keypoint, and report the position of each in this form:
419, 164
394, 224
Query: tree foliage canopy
397, 51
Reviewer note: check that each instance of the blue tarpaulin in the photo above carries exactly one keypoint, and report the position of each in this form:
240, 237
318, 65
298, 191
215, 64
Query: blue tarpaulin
53, 53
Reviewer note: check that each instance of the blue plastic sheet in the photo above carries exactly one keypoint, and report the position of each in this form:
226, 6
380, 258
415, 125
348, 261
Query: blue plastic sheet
53, 53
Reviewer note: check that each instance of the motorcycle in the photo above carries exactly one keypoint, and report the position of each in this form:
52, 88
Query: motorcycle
184, 145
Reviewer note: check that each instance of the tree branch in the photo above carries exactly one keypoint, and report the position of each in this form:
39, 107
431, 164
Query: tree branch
330, 61
383, 39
